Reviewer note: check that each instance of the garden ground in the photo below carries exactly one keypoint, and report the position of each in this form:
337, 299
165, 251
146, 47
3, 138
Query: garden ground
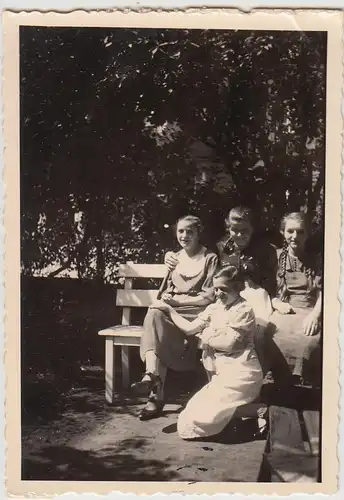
69, 432
79, 437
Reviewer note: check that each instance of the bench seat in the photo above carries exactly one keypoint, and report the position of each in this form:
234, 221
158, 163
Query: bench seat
129, 335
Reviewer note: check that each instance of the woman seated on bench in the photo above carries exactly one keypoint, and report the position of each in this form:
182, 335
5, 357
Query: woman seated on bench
188, 290
243, 247
227, 329
297, 316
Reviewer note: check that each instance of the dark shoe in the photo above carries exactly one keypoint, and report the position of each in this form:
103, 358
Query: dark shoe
297, 380
169, 429
144, 387
153, 409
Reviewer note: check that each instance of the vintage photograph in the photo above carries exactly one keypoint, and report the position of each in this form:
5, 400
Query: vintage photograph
173, 215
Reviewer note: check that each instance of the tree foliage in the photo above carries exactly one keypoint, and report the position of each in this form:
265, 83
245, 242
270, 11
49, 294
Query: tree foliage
113, 122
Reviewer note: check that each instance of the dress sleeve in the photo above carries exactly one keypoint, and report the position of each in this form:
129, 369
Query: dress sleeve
244, 320
212, 265
169, 288
238, 333
205, 315
167, 285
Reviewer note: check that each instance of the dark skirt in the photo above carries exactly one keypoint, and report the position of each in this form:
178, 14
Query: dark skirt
169, 343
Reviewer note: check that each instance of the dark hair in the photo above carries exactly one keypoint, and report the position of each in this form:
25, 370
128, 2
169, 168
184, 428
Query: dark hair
240, 214
282, 290
231, 273
237, 214
194, 221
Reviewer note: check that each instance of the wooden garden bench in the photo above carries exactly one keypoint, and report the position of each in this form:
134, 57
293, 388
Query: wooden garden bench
127, 335
292, 453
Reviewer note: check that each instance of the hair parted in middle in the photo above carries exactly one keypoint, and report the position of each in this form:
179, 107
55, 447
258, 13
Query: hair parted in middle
300, 217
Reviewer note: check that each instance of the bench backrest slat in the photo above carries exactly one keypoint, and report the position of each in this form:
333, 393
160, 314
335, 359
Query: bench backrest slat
131, 270
129, 298
135, 298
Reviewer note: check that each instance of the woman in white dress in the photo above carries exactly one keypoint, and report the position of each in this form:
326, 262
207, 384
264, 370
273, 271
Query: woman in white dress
227, 329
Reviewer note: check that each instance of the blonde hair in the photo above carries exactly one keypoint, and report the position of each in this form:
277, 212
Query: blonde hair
300, 217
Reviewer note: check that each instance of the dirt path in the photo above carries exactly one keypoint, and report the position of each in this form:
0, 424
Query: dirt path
85, 439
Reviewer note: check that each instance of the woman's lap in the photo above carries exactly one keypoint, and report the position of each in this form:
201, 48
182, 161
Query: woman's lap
289, 333
168, 342
286, 335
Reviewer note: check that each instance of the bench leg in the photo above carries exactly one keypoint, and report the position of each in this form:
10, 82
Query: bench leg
125, 366
109, 369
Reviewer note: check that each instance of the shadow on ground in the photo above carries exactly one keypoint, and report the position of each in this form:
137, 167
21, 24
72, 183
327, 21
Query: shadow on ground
80, 437
66, 463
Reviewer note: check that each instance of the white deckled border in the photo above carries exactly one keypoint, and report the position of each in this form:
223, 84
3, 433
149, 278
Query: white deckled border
306, 20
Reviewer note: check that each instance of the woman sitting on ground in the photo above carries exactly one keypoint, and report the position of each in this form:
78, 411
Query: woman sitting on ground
226, 329
188, 290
